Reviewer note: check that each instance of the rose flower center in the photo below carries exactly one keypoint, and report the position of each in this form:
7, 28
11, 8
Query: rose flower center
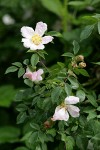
36, 39
63, 105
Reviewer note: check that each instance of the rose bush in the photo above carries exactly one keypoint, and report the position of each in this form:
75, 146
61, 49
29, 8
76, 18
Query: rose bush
44, 106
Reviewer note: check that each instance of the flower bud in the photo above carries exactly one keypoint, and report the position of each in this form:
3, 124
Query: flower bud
82, 65
79, 58
74, 64
47, 124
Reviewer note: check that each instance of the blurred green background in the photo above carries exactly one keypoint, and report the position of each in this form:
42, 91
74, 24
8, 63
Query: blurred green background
63, 16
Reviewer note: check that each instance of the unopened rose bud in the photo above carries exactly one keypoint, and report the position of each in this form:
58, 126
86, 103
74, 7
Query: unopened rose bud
82, 65
47, 124
74, 64
79, 58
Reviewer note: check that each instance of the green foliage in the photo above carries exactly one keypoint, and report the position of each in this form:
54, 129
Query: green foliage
21, 148
55, 94
9, 134
54, 6
99, 27
34, 60
97, 63
81, 95
81, 142
81, 71
21, 71
92, 100
11, 69
54, 33
21, 117
26, 62
77, 3
68, 54
74, 82
68, 89
28, 82
18, 64
34, 126
7, 93
69, 141
76, 47
21, 107
86, 32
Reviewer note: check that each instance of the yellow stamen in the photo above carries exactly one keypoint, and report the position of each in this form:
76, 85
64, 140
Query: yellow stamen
63, 105
36, 39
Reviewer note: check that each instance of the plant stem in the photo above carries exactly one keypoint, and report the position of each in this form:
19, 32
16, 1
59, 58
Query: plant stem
65, 16
42, 62
45, 66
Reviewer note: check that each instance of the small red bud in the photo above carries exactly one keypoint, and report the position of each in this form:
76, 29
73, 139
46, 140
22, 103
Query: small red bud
47, 124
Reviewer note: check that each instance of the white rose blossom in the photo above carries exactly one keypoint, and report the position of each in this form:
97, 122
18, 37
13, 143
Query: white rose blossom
34, 39
62, 111
33, 76
8, 20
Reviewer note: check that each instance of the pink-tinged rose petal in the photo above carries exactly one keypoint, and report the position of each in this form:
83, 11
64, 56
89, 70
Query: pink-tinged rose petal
47, 39
39, 78
73, 110
26, 45
60, 114
33, 47
71, 100
41, 46
27, 32
26, 42
57, 108
40, 71
28, 75
67, 116
34, 76
40, 28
